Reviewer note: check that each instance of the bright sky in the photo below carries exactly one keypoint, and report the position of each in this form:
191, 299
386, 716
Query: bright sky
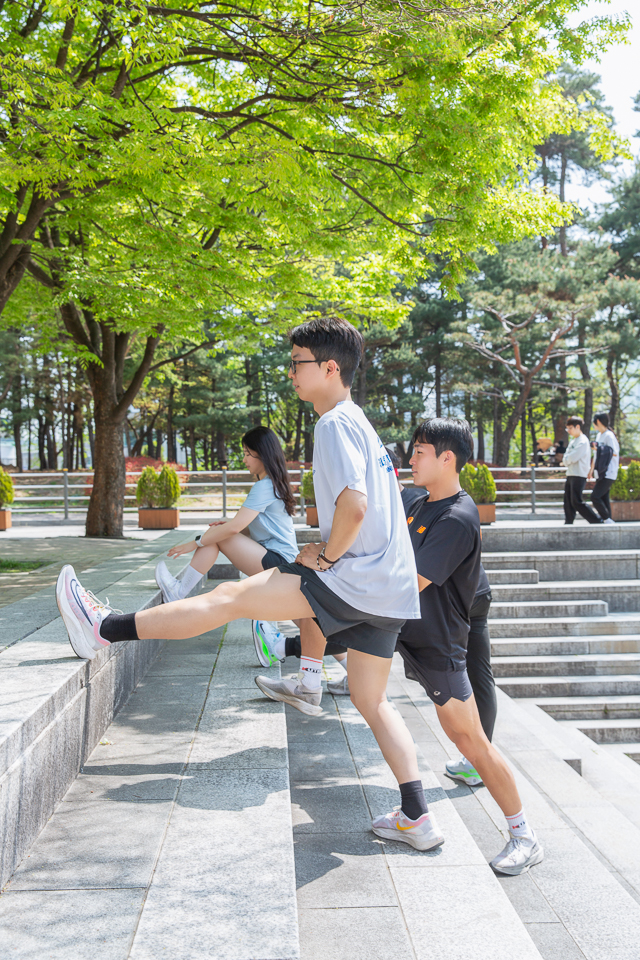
618, 68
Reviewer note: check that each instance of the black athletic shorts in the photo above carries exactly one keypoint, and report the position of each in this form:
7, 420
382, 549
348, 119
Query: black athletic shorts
272, 559
441, 685
347, 626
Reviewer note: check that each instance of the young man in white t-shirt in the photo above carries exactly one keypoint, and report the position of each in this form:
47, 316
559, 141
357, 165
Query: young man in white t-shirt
607, 457
359, 584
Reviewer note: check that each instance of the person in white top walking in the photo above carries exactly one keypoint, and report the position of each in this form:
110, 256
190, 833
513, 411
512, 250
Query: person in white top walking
577, 460
606, 463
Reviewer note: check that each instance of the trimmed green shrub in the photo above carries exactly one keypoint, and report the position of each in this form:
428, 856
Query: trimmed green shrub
158, 489
626, 486
167, 487
6, 489
306, 487
478, 483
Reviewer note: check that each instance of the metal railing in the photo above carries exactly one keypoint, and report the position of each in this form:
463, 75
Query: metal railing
218, 491
59, 493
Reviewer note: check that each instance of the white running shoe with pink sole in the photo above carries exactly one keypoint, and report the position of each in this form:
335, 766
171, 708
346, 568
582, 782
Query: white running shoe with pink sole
422, 834
82, 614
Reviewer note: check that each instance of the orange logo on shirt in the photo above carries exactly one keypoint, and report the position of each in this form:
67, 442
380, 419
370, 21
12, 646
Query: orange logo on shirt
421, 529
409, 519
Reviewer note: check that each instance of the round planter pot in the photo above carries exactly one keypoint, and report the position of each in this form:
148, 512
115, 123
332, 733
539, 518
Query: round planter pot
5, 519
487, 512
158, 518
622, 510
312, 515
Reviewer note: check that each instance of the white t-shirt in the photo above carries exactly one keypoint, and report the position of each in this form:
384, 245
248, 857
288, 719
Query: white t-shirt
273, 527
378, 573
609, 439
578, 456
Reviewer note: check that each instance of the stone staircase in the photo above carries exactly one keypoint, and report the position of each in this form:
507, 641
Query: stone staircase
153, 804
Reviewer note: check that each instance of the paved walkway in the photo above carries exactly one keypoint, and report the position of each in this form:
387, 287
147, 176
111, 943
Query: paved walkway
54, 552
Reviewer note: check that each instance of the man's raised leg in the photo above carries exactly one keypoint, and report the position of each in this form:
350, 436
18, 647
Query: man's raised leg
91, 624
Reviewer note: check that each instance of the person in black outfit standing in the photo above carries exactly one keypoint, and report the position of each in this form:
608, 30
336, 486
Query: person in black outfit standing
478, 658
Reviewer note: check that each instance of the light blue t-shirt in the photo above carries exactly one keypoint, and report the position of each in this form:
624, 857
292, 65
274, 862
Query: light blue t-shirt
377, 574
273, 527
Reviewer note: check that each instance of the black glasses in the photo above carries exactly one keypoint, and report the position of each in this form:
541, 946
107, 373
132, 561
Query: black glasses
294, 363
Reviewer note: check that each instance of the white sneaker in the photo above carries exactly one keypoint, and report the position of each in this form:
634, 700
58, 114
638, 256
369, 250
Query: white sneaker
519, 855
168, 584
339, 688
423, 833
463, 771
609, 520
293, 693
82, 614
265, 637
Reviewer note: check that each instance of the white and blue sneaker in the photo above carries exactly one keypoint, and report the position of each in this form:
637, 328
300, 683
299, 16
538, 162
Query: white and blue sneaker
168, 584
463, 771
265, 638
519, 855
82, 614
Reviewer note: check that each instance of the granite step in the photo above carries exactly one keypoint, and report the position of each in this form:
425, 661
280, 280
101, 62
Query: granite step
549, 609
608, 731
568, 646
362, 897
566, 565
621, 596
592, 850
497, 576
54, 707
529, 627
570, 686
629, 751
591, 708
176, 837
558, 666
530, 538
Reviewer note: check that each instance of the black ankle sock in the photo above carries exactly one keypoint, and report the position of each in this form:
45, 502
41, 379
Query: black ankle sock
119, 627
413, 803
292, 646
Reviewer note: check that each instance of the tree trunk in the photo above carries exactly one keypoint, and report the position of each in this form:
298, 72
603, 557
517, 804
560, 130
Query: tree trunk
523, 437
221, 450
515, 416
615, 392
42, 449
532, 427
92, 442
586, 376
480, 424
105, 514
438, 383
563, 180
17, 420
171, 440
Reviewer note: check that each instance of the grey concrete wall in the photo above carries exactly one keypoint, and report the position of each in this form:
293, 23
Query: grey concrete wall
619, 536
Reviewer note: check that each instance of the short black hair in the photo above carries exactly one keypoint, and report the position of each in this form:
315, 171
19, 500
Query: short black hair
603, 418
331, 338
447, 433
575, 422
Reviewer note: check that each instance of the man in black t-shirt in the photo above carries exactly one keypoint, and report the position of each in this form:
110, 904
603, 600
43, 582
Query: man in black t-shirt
445, 533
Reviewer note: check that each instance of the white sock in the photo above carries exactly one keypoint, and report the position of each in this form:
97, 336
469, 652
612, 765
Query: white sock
280, 647
519, 827
310, 673
190, 579
343, 662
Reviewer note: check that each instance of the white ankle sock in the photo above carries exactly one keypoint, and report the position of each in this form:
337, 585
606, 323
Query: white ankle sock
190, 579
279, 648
519, 827
310, 673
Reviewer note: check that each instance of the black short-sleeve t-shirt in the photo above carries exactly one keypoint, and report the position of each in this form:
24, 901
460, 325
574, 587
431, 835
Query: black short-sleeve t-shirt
409, 496
445, 535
